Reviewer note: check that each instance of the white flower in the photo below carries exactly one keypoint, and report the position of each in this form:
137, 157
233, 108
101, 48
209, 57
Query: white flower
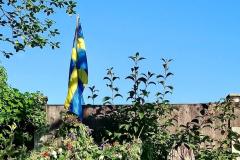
60, 150
101, 157
54, 154
119, 156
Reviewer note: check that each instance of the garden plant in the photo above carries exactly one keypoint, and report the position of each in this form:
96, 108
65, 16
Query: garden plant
144, 129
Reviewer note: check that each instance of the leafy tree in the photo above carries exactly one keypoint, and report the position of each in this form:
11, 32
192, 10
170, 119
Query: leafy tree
28, 23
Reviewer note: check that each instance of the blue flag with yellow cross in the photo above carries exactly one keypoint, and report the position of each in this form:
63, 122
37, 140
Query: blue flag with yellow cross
78, 74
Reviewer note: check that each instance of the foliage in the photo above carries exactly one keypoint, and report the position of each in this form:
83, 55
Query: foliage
29, 23
3, 78
94, 94
221, 149
216, 154
111, 78
73, 141
134, 94
152, 122
162, 80
147, 121
147, 80
142, 130
205, 146
124, 151
7, 143
158, 146
21, 115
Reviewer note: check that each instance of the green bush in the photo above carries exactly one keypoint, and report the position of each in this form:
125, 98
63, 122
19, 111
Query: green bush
73, 141
152, 121
21, 115
147, 121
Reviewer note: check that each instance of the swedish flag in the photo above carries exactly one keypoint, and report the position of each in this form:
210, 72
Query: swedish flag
78, 74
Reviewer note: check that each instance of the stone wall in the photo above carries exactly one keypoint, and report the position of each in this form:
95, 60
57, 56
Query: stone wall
95, 116
184, 113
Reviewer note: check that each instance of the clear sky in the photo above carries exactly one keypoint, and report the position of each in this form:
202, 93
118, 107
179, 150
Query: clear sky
203, 38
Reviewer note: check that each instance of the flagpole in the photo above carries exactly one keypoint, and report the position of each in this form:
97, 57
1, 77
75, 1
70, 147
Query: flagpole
78, 18
77, 23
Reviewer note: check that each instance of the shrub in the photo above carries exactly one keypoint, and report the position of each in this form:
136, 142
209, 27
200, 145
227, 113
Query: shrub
151, 122
73, 141
21, 115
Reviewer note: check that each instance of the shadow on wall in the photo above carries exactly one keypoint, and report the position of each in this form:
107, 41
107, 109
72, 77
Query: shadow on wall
98, 117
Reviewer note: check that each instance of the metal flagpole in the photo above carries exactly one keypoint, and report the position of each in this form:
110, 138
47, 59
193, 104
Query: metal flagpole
76, 29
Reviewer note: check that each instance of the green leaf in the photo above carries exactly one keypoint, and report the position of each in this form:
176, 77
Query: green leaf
170, 87
141, 115
169, 74
142, 79
106, 98
114, 78
152, 83
237, 146
94, 96
118, 95
107, 78
130, 77
135, 129
117, 135
127, 127
160, 76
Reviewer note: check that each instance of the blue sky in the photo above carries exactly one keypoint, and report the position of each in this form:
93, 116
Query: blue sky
203, 38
